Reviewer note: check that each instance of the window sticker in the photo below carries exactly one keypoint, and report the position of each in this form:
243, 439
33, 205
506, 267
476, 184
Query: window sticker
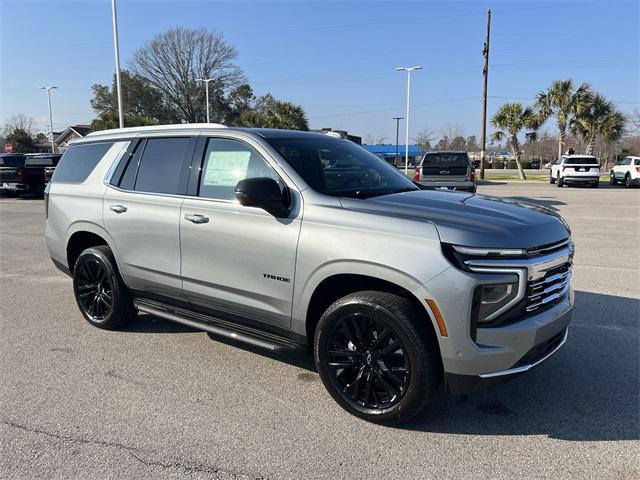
226, 168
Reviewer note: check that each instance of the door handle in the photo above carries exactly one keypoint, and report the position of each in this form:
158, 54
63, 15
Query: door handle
118, 208
196, 218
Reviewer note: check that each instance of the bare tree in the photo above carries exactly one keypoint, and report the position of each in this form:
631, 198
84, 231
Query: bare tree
452, 131
173, 60
424, 139
17, 122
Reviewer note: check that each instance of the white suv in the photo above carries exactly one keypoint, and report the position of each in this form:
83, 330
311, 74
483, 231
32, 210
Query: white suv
575, 169
626, 171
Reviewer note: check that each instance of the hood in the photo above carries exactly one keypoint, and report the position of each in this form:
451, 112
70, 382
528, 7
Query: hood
472, 220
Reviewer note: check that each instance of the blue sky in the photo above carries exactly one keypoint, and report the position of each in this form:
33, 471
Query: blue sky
336, 59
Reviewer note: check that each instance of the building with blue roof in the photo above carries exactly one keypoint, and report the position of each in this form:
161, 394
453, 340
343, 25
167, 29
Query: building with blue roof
388, 152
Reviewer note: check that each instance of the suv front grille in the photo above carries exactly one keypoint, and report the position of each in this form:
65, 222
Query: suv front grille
549, 289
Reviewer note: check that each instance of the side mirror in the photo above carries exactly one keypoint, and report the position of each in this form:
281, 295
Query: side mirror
265, 193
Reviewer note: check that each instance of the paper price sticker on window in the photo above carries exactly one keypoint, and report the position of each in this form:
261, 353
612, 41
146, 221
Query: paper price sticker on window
226, 168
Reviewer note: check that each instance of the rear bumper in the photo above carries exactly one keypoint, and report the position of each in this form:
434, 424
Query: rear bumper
584, 179
13, 187
464, 186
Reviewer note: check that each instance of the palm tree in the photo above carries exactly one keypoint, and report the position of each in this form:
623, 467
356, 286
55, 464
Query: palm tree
511, 119
599, 119
562, 101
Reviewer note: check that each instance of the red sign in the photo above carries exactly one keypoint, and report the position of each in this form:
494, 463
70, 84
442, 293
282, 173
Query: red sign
8, 148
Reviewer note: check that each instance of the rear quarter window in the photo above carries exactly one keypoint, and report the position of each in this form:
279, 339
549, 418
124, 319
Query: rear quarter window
78, 162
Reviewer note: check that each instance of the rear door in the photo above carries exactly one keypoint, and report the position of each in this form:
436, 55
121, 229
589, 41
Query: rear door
443, 167
142, 211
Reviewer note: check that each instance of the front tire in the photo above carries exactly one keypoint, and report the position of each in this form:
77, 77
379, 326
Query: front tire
595, 185
627, 181
101, 295
559, 181
612, 178
377, 357
551, 179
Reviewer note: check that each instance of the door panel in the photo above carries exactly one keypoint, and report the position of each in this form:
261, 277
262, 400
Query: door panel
146, 237
237, 261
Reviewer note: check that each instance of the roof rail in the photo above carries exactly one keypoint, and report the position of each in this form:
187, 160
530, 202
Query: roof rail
155, 128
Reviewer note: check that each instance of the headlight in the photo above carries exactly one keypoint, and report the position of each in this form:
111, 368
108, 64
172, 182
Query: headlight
491, 300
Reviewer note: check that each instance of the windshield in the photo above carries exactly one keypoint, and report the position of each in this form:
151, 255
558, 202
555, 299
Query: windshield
340, 167
446, 160
12, 161
581, 161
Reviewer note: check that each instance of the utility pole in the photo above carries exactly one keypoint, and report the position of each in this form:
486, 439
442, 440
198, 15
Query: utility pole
48, 89
397, 119
485, 73
116, 47
206, 92
406, 143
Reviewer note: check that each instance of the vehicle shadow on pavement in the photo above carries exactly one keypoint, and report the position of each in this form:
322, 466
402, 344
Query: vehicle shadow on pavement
144, 323
588, 391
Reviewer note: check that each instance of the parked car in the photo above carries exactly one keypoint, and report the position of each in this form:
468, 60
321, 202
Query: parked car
34, 170
287, 239
12, 174
535, 164
575, 170
446, 170
626, 171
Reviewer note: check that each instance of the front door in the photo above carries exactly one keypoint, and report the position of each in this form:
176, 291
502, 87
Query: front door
237, 262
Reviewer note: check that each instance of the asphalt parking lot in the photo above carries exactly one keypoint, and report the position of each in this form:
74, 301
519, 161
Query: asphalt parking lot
158, 400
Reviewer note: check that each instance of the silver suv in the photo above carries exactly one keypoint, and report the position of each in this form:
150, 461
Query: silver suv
287, 240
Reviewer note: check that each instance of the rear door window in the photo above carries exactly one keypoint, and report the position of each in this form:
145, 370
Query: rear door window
162, 167
78, 162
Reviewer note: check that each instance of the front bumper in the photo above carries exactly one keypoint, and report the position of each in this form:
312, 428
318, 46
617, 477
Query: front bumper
499, 352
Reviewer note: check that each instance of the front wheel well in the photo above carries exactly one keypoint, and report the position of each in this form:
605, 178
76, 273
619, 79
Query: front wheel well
338, 286
80, 241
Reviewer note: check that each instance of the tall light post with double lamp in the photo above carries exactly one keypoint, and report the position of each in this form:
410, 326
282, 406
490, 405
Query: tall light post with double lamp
206, 92
116, 47
406, 145
48, 89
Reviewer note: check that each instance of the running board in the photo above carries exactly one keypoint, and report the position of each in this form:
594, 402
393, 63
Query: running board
220, 327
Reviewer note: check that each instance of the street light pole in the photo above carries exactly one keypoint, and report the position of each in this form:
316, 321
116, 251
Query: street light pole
397, 119
114, 20
48, 89
206, 92
406, 146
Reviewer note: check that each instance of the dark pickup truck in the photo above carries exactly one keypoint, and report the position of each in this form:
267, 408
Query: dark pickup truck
36, 166
12, 174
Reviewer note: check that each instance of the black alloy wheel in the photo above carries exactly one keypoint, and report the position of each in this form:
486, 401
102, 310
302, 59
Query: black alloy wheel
95, 290
378, 356
367, 362
101, 295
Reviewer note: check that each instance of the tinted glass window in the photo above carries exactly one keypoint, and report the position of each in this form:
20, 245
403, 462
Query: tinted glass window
340, 167
626, 161
581, 161
446, 160
11, 161
162, 165
128, 179
78, 162
226, 162
41, 161
637, 162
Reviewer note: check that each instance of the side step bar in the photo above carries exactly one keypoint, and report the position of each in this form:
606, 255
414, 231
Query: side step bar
220, 327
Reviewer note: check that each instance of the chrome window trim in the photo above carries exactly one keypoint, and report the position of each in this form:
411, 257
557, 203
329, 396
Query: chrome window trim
528, 367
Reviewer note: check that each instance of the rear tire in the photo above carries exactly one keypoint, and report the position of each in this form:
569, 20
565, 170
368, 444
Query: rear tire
377, 357
101, 295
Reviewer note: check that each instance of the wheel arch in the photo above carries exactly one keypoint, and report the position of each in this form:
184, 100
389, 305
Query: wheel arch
83, 235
